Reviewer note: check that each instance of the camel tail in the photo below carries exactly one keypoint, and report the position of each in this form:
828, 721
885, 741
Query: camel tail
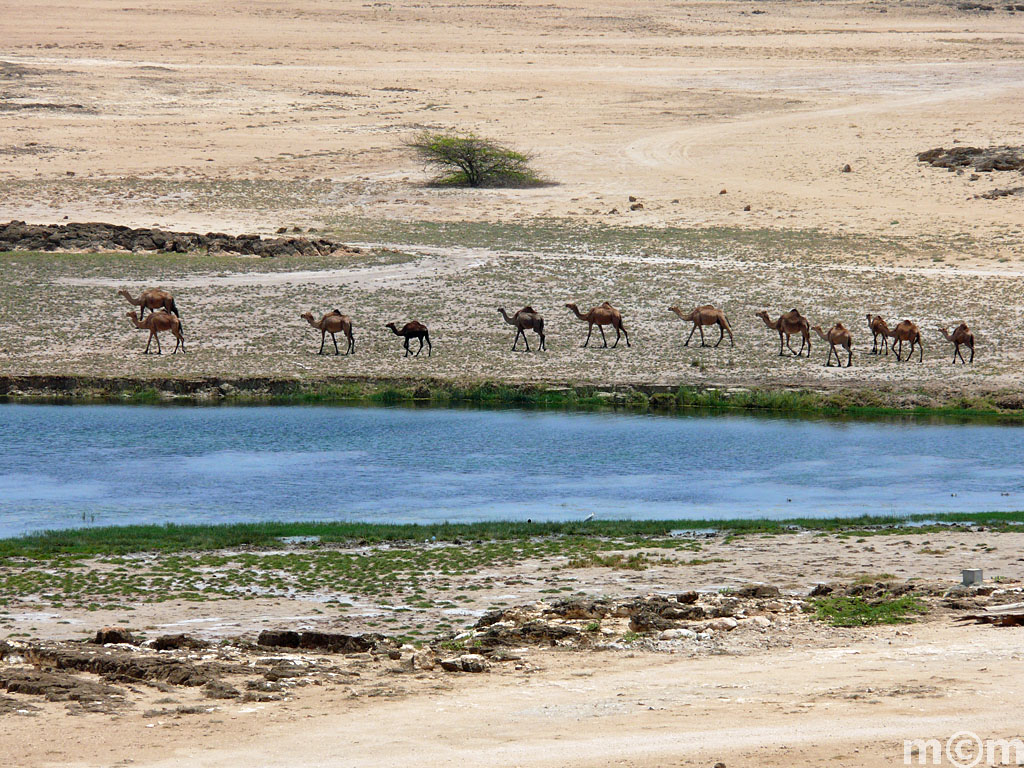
174, 309
540, 325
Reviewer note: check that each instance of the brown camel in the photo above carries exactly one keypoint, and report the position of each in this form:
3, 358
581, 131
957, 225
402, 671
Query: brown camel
332, 323
788, 324
907, 331
705, 315
878, 328
961, 335
837, 336
600, 316
155, 324
413, 330
525, 319
152, 299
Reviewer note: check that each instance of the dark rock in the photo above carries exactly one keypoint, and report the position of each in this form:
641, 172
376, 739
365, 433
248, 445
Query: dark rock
746, 207
649, 621
55, 686
687, 598
176, 642
726, 608
126, 666
981, 159
489, 618
113, 635
847, 168
580, 608
672, 610
636, 207
278, 638
820, 590
335, 642
531, 633
218, 689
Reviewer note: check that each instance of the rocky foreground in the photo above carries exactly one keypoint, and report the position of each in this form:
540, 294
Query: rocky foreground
108, 673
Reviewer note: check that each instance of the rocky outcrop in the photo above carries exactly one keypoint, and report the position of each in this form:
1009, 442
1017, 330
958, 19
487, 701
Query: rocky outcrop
981, 159
334, 642
19, 236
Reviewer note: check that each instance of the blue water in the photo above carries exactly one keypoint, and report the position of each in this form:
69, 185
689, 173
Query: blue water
67, 466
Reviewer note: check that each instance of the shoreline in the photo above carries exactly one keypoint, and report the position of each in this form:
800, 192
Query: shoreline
1002, 406
130, 539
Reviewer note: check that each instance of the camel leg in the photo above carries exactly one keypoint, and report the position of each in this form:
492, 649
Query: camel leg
849, 355
323, 338
603, 337
156, 336
526, 341
721, 335
420, 348
590, 330
617, 335
406, 345
148, 342
692, 331
624, 333
543, 345
781, 351
177, 344
515, 340
335, 340
972, 354
430, 347
702, 343
920, 349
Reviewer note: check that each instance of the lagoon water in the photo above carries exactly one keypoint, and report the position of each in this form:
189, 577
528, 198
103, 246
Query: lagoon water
68, 466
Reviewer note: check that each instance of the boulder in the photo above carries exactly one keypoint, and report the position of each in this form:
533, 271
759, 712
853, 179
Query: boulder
113, 635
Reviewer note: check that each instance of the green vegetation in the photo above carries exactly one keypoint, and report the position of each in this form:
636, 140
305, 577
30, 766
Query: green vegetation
630, 534
858, 612
467, 160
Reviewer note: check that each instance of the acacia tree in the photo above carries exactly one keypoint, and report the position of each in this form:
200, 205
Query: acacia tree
469, 160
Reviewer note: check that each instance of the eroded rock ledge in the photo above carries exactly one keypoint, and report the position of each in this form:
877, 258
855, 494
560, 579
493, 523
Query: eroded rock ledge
88, 236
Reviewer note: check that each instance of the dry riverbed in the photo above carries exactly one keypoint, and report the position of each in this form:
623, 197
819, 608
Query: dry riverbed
654, 651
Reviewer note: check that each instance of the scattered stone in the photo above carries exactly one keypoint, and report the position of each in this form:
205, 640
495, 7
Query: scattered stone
723, 192
847, 168
723, 624
687, 598
997, 193
746, 207
469, 662
636, 207
728, 607
633, 198
580, 608
335, 642
677, 634
56, 686
10, 706
113, 635
820, 590
531, 633
126, 666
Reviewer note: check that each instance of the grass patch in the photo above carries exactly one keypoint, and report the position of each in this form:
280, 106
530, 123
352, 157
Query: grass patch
858, 612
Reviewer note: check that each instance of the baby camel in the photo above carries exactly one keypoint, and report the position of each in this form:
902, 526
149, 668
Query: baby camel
837, 336
152, 299
332, 323
155, 324
413, 330
705, 315
961, 335
788, 324
601, 316
524, 320
878, 328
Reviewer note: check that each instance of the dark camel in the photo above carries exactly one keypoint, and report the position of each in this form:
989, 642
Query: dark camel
153, 299
837, 336
156, 323
788, 324
878, 328
332, 323
600, 316
705, 315
907, 331
413, 330
524, 320
961, 335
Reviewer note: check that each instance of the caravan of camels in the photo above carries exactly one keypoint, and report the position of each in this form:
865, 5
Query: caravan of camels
164, 316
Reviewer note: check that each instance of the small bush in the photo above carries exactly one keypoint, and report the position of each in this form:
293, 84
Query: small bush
858, 612
467, 160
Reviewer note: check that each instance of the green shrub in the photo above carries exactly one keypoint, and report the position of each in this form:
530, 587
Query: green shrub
467, 160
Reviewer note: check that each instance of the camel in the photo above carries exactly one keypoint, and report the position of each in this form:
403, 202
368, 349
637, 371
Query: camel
152, 299
525, 319
332, 323
600, 316
788, 324
907, 331
878, 328
705, 315
413, 330
837, 336
155, 324
961, 335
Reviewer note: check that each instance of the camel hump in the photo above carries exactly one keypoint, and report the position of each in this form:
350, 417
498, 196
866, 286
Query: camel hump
529, 309
336, 312
606, 304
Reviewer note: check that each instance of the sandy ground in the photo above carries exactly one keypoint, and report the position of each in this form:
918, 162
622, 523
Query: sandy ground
796, 694
249, 117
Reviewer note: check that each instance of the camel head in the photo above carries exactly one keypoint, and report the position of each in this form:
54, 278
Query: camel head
308, 317
677, 310
391, 326
817, 328
764, 316
571, 306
